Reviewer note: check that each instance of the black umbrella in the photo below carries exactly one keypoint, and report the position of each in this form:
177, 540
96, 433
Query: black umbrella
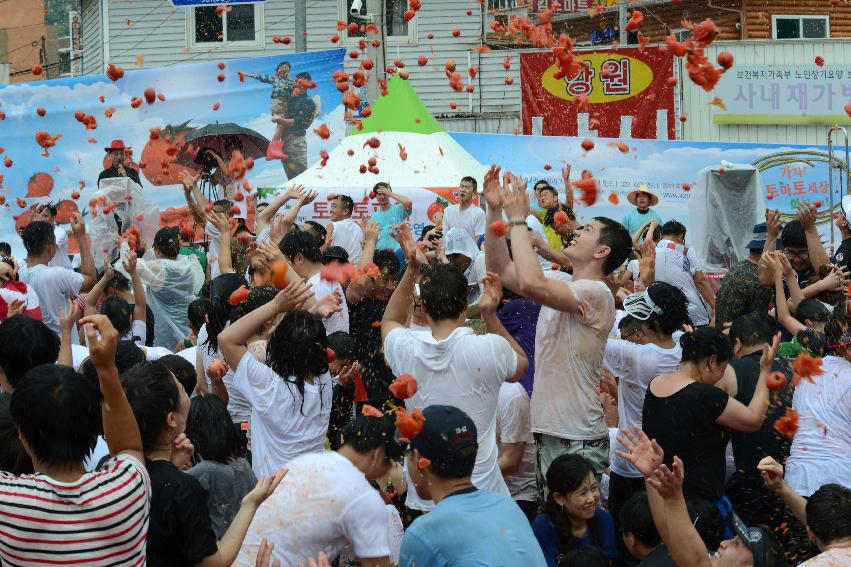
215, 137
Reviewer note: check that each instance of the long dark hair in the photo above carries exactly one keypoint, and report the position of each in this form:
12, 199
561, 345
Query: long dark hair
296, 350
674, 305
220, 311
565, 475
152, 393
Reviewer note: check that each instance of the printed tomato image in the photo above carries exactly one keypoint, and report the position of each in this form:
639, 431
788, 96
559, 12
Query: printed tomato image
40, 185
157, 150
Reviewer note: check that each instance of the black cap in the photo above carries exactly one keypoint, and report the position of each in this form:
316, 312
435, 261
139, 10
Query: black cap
168, 236
335, 253
446, 431
753, 538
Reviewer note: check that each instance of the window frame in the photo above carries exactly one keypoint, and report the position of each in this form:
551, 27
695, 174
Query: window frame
259, 31
411, 39
800, 18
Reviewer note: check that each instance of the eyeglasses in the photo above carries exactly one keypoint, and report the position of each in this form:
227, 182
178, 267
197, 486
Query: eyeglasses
796, 254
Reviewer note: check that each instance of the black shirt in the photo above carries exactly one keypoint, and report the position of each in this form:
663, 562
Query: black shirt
843, 254
301, 110
750, 448
659, 557
369, 352
684, 425
179, 532
113, 172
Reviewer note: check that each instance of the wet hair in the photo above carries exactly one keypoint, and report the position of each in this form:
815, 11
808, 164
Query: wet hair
674, 305
673, 228
58, 413
152, 394
210, 428
551, 189
347, 203
182, 369
257, 298
317, 231
425, 231
37, 236
167, 241
343, 345
583, 556
793, 235
540, 182
471, 180
629, 324
296, 350
365, 433
829, 513
443, 288
119, 312
219, 314
387, 262
565, 475
119, 281
550, 215
380, 184
24, 344
775, 555
127, 355
635, 518
13, 457
617, 238
753, 329
812, 310
707, 521
5, 249
197, 312
813, 340
301, 242
703, 343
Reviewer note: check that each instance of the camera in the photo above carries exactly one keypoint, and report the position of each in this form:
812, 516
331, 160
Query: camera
357, 6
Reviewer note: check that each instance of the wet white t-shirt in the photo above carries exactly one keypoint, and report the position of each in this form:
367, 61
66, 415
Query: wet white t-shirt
323, 504
677, 264
348, 235
473, 220
61, 258
568, 360
238, 406
338, 321
464, 370
514, 426
54, 286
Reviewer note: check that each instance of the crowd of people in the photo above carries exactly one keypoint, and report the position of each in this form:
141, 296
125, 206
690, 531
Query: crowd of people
508, 388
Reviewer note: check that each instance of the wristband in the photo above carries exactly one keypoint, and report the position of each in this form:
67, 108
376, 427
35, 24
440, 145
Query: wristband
517, 223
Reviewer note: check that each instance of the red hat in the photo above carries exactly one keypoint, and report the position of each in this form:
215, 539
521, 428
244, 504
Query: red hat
116, 145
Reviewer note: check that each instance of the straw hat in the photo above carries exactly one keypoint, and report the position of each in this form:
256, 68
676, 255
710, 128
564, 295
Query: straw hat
654, 200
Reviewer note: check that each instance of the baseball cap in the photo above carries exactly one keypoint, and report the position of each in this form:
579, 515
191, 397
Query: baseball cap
751, 537
760, 235
446, 431
335, 253
167, 236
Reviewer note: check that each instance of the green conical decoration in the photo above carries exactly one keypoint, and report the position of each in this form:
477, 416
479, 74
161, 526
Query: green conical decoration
399, 111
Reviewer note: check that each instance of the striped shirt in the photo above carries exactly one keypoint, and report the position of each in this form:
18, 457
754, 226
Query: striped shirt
100, 520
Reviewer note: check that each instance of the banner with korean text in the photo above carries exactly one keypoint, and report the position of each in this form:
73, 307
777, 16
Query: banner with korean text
627, 83
775, 94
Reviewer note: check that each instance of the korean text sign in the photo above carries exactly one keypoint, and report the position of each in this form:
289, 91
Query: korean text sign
622, 82
784, 95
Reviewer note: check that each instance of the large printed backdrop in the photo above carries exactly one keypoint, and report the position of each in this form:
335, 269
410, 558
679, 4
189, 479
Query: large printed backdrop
191, 92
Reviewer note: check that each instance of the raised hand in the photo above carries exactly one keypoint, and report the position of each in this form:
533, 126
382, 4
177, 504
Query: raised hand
220, 221
264, 489
645, 454
264, 555
515, 200
108, 269
669, 483
181, 452
188, 180
768, 354
295, 192
773, 221
807, 214
405, 238
491, 294
66, 318
18, 306
321, 561
307, 197
130, 262
270, 252
293, 296
102, 339
492, 189
772, 473
328, 304
371, 230
78, 227
347, 374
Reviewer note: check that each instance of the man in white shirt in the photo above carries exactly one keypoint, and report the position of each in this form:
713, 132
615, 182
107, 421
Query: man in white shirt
453, 365
677, 264
55, 286
465, 214
326, 502
47, 212
342, 230
302, 252
517, 447
577, 314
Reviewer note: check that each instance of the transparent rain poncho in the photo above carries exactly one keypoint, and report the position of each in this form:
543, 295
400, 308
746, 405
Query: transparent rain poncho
171, 285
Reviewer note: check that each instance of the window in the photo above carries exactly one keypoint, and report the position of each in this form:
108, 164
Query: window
800, 27
242, 27
501, 4
397, 29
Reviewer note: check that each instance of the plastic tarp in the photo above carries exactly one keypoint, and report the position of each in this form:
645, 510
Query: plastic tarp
725, 204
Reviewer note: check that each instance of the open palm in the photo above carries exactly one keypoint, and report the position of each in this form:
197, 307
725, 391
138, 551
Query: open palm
645, 454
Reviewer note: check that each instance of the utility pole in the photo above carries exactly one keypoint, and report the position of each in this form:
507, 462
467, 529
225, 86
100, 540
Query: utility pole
622, 19
300, 25
375, 14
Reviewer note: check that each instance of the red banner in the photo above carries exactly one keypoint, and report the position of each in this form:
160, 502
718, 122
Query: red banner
618, 83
